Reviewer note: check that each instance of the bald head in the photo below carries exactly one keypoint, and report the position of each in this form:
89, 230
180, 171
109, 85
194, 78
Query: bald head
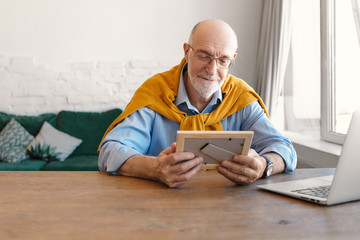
214, 31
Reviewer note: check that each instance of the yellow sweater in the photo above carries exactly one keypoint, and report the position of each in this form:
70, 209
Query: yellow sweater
159, 92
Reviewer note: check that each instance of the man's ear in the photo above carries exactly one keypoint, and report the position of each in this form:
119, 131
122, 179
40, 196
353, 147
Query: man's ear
186, 47
234, 57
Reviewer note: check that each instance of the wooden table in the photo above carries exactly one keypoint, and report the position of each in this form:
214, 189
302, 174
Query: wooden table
94, 205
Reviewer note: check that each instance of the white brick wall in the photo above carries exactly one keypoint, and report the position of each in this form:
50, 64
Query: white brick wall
29, 88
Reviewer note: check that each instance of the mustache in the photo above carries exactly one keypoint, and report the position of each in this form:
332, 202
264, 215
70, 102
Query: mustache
212, 78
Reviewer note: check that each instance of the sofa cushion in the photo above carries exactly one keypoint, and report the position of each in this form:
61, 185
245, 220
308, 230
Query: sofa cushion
88, 126
31, 123
13, 140
52, 144
75, 163
27, 165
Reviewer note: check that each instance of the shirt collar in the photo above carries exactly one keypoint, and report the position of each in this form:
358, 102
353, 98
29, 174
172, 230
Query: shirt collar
182, 96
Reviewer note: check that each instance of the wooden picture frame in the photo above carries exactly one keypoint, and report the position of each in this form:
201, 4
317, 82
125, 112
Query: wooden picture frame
214, 146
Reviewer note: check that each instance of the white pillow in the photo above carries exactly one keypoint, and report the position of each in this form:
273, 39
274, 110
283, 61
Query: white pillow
61, 144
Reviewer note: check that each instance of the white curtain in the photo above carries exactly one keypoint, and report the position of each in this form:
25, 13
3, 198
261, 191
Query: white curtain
273, 51
356, 11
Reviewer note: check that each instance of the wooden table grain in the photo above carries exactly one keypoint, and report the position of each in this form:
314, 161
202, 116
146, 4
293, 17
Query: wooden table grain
94, 205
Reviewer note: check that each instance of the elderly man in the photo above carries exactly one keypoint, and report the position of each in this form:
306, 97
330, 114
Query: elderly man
198, 94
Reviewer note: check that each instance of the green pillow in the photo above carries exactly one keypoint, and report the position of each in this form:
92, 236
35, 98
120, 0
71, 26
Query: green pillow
13, 140
88, 126
31, 123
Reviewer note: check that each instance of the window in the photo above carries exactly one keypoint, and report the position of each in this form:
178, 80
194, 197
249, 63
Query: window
341, 77
323, 71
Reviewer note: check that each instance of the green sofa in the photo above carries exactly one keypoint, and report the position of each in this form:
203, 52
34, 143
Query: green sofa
87, 126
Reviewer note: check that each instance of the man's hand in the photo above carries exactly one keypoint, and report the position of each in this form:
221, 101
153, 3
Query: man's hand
176, 168
171, 167
244, 169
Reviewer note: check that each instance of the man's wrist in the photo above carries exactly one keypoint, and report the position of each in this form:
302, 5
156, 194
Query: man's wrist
269, 167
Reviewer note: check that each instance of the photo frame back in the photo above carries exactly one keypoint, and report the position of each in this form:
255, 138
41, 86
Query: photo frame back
214, 146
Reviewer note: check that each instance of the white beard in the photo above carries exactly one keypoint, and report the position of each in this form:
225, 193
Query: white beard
205, 88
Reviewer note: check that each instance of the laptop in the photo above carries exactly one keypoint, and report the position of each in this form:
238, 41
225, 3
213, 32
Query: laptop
343, 186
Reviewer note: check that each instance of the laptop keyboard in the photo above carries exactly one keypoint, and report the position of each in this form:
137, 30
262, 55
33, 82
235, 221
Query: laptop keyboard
321, 191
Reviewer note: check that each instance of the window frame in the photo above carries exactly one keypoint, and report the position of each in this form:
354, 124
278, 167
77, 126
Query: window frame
327, 15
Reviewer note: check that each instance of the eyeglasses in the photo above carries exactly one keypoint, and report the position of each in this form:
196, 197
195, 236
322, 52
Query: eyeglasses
206, 59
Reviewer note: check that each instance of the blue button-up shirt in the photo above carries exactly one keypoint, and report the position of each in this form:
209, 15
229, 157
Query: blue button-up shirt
148, 133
